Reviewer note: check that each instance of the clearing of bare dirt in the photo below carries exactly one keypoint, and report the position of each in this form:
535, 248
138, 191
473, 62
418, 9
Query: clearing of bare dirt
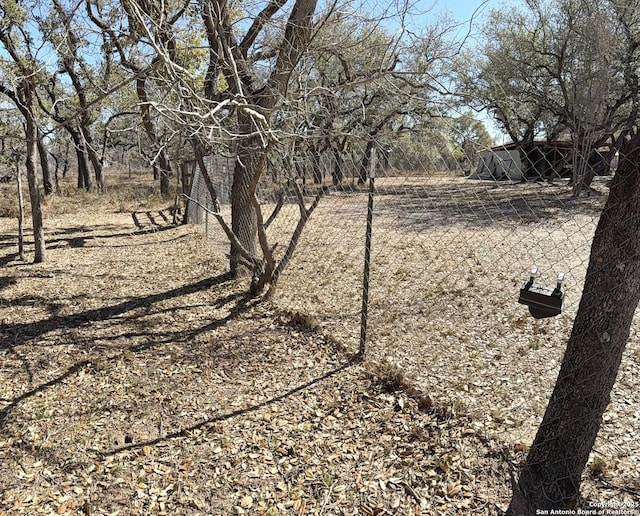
137, 378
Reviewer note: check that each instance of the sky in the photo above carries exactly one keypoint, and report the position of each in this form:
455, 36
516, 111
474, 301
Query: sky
463, 18
464, 12
470, 15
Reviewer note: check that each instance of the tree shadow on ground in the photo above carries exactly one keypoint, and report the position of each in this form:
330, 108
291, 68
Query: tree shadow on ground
8, 258
158, 220
183, 345
19, 333
6, 281
184, 432
80, 236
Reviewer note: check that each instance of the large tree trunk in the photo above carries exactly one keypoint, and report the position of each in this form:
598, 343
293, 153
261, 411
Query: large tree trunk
31, 136
84, 179
44, 165
93, 157
551, 475
230, 57
244, 222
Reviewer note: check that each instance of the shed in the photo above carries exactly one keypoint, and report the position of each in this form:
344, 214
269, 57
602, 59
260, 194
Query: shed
542, 160
500, 163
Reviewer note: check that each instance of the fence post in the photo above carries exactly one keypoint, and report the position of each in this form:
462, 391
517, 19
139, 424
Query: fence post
364, 313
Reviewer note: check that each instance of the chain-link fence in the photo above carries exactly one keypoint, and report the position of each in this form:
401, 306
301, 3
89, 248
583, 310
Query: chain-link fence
451, 251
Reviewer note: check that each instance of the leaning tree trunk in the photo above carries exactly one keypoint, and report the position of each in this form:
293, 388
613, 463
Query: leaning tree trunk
252, 149
551, 475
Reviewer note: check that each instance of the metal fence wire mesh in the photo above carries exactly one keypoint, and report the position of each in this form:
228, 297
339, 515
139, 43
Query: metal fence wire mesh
451, 249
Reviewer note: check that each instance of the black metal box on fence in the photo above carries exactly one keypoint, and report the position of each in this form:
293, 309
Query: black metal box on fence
542, 301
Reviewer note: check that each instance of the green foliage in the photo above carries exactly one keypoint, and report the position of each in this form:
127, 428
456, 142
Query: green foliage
554, 68
445, 144
11, 13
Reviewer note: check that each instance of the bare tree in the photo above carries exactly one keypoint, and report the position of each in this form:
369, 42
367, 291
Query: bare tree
68, 43
234, 105
159, 33
260, 98
231, 57
23, 96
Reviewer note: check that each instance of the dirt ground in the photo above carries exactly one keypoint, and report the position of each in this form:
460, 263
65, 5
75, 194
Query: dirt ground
136, 378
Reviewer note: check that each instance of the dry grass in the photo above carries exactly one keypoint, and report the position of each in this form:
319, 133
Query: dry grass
9, 206
135, 377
